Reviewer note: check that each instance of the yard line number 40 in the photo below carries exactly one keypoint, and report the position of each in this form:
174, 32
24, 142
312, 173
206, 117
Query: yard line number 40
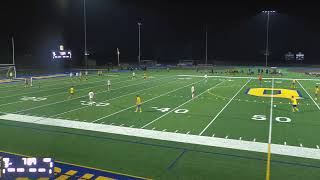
178, 111
264, 118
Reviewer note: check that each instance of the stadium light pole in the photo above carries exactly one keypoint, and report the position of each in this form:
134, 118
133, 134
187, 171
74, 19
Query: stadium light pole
13, 57
267, 38
206, 44
12, 44
139, 27
85, 34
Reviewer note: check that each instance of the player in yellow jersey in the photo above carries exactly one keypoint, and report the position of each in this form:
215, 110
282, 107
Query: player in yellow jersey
144, 76
316, 92
294, 104
71, 92
138, 104
293, 84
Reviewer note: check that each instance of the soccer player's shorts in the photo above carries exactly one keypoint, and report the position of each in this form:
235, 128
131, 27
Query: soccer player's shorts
72, 93
294, 106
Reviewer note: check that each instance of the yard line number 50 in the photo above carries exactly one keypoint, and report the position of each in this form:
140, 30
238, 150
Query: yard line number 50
264, 118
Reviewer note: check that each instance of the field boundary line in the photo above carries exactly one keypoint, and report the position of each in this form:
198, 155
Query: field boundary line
85, 96
223, 108
248, 77
145, 101
309, 95
287, 150
82, 107
181, 105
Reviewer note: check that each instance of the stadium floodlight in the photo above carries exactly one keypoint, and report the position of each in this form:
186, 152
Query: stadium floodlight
139, 56
267, 38
118, 55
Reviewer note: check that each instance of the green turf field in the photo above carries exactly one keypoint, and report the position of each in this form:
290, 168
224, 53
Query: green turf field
223, 133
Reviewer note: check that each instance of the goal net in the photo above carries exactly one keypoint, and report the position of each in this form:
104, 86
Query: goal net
7, 72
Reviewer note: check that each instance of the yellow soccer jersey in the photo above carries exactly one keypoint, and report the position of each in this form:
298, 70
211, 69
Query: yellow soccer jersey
294, 101
138, 101
71, 90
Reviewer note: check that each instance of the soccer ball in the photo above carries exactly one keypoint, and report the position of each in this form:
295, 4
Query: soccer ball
274, 105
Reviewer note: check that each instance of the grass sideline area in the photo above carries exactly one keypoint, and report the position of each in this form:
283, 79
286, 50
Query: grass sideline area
222, 110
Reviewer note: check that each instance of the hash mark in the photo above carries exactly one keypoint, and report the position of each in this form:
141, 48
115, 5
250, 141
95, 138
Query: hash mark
188, 132
176, 131
164, 130
153, 128
317, 147
213, 135
111, 123
240, 138
131, 126
285, 143
301, 145
121, 124
254, 140
226, 137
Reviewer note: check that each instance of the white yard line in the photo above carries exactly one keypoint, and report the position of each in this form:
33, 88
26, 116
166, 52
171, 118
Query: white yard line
44, 90
145, 101
82, 107
54, 94
294, 151
65, 83
223, 108
83, 96
271, 113
309, 95
245, 77
180, 106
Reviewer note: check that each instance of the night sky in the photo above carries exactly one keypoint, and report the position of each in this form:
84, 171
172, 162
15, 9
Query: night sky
171, 30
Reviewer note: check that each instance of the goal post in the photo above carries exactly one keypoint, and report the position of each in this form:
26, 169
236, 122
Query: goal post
8, 71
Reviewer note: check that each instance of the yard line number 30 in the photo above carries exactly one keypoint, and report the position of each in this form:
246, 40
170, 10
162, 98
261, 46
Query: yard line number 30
264, 118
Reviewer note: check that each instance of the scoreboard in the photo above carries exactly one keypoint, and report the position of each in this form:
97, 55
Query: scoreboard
61, 55
14, 167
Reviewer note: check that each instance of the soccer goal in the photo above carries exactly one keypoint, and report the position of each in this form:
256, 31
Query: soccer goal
8, 71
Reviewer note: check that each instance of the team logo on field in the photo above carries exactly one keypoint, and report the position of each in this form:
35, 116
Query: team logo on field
276, 93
